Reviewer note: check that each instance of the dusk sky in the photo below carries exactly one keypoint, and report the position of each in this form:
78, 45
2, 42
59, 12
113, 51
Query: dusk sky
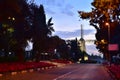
67, 21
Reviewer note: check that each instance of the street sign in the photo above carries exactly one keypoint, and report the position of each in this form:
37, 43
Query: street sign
113, 47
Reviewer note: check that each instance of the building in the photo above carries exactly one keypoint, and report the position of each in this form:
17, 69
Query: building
82, 41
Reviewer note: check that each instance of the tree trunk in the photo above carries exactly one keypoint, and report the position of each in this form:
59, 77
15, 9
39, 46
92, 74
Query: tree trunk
20, 54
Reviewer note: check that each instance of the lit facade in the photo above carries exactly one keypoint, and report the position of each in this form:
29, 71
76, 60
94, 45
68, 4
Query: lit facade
82, 41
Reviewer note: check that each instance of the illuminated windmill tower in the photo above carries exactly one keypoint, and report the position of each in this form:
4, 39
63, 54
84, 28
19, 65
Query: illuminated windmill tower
82, 41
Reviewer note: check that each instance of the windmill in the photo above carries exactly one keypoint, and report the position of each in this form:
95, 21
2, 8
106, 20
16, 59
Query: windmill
82, 41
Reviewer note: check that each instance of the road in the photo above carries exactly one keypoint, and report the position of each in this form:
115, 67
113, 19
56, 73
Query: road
69, 72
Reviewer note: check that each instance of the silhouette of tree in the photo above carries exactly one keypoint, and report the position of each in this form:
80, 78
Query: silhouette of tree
21, 29
19, 22
75, 50
50, 28
103, 11
41, 30
13, 26
63, 50
54, 42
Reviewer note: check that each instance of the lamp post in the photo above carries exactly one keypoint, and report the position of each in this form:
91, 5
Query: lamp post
108, 25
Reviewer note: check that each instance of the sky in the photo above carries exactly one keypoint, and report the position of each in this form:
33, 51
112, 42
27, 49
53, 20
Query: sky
66, 19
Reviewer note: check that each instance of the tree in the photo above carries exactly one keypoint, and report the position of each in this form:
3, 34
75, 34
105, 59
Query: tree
75, 50
21, 21
41, 30
50, 28
21, 29
7, 23
14, 26
63, 50
103, 11
55, 42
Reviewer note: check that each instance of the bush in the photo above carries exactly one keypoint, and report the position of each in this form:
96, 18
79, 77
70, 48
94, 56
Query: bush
8, 59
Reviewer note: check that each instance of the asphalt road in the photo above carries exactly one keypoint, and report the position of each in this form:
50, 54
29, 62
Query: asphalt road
69, 72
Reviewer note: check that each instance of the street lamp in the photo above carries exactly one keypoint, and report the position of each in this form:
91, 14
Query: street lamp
107, 24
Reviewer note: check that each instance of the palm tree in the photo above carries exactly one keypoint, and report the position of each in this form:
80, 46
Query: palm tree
50, 28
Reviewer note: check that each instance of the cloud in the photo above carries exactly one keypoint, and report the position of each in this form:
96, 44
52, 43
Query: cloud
48, 10
68, 10
45, 2
91, 49
51, 7
56, 6
73, 34
58, 3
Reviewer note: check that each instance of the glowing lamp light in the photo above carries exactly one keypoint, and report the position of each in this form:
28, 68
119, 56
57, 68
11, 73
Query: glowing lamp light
86, 58
80, 59
9, 17
13, 18
107, 24
102, 41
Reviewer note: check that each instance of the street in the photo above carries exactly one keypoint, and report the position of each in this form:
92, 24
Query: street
69, 72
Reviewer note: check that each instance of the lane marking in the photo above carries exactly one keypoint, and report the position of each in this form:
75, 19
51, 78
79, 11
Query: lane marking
62, 76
